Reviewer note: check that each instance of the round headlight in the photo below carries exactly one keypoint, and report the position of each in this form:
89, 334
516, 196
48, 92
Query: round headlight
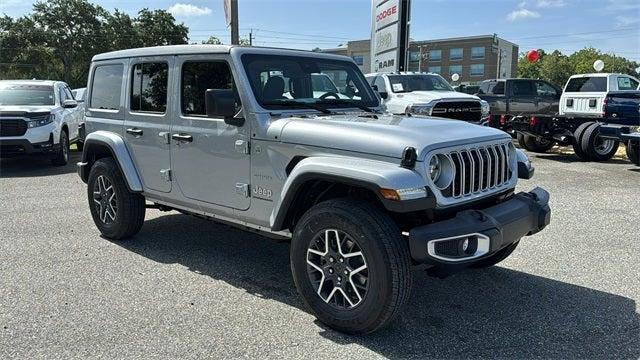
434, 168
441, 171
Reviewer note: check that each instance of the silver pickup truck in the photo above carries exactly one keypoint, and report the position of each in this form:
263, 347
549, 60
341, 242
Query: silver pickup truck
241, 136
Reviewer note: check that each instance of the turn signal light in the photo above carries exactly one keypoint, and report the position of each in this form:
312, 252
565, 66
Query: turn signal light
390, 194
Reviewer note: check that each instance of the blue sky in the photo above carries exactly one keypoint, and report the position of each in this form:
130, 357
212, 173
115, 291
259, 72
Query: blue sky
568, 25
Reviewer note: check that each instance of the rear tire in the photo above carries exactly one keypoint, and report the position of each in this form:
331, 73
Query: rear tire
633, 151
597, 148
497, 257
577, 141
61, 156
117, 212
537, 144
375, 299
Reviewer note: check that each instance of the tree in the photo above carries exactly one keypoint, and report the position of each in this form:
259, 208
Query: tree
556, 68
528, 69
158, 27
122, 32
583, 60
212, 40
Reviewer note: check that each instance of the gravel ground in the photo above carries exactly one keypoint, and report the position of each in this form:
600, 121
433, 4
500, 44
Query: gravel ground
188, 288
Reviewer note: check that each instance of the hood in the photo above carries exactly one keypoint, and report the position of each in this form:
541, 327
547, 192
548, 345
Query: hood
24, 109
423, 97
388, 135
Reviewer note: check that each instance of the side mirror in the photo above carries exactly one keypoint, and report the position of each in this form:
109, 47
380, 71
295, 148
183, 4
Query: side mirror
69, 104
222, 103
525, 170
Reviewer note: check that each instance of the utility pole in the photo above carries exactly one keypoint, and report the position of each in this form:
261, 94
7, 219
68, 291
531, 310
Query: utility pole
251, 37
235, 36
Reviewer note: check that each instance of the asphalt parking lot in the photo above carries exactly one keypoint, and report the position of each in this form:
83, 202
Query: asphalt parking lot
188, 288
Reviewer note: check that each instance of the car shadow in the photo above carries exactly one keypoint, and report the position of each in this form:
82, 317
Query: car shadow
570, 158
496, 312
30, 166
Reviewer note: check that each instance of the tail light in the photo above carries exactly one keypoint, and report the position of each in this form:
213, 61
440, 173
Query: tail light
533, 121
604, 108
503, 119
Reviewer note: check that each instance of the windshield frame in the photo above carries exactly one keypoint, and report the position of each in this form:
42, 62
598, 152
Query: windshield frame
390, 77
30, 87
370, 99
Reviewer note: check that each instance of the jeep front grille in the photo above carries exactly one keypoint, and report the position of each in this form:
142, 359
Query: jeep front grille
479, 169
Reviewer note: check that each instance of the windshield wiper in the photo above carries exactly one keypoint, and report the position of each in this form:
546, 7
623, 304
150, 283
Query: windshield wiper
346, 102
313, 106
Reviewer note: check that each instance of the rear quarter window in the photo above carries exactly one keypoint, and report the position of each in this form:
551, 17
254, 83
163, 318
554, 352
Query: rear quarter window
626, 83
587, 84
106, 87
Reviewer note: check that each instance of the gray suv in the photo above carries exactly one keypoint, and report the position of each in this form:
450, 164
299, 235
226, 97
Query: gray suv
241, 136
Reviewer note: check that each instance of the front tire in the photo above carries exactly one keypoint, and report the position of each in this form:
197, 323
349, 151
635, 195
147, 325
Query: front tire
520, 138
597, 148
351, 265
537, 144
61, 157
117, 212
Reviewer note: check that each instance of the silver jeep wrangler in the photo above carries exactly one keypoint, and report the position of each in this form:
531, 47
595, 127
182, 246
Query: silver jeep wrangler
253, 137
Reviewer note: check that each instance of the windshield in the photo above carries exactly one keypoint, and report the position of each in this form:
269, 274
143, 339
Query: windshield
20, 94
587, 84
418, 82
288, 82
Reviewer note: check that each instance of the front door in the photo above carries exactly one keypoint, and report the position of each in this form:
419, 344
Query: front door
524, 98
147, 120
210, 158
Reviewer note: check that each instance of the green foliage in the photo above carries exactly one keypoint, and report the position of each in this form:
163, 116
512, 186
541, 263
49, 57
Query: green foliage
557, 67
59, 38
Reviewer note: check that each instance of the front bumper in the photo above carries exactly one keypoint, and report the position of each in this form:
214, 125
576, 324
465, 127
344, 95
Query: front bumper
486, 231
17, 147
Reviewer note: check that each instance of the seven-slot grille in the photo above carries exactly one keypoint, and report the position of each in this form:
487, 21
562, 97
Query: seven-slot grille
459, 110
479, 169
12, 127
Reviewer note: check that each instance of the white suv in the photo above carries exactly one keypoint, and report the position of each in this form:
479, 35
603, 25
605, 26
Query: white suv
427, 94
38, 117
584, 94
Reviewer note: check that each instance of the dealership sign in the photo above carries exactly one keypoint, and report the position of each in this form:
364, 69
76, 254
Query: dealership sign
389, 35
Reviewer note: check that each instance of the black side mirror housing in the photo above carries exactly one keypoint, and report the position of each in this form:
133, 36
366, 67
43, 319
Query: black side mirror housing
222, 103
69, 104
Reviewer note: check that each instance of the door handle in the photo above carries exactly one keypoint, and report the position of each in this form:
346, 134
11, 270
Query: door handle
135, 132
182, 137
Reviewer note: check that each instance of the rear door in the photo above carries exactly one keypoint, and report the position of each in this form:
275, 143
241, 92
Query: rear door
210, 158
147, 120
523, 97
548, 98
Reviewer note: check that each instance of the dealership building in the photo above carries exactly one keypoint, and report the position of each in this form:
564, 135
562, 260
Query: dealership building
474, 58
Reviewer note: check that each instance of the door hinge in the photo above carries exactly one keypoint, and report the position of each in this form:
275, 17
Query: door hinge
166, 174
243, 146
165, 136
242, 189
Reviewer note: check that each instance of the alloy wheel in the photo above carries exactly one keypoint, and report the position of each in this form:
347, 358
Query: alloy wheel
337, 269
105, 199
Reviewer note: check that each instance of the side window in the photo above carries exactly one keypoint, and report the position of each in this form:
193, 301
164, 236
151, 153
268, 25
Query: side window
106, 87
483, 88
197, 77
380, 84
626, 83
496, 88
545, 90
149, 87
67, 93
61, 94
523, 88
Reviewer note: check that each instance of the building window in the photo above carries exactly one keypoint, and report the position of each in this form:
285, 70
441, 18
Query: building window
414, 66
359, 59
456, 54
435, 69
435, 55
477, 70
455, 69
477, 52
414, 55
